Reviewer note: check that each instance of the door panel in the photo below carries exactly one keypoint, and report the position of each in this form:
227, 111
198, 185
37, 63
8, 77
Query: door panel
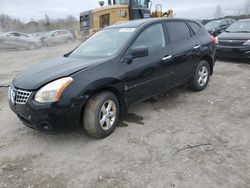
186, 49
12, 40
146, 76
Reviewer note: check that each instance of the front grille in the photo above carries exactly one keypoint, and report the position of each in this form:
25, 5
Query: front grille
22, 96
227, 42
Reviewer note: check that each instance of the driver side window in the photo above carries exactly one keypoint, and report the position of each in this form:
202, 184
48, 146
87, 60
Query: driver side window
153, 38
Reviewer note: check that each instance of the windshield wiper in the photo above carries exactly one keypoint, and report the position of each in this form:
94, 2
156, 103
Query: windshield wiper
227, 31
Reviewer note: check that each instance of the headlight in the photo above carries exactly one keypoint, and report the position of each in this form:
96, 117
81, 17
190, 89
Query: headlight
53, 90
247, 43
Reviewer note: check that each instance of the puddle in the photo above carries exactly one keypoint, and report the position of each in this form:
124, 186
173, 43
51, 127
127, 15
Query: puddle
151, 100
130, 118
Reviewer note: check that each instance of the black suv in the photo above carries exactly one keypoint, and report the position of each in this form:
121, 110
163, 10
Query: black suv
111, 70
216, 27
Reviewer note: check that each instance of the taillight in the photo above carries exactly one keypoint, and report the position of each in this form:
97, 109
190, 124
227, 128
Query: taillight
214, 40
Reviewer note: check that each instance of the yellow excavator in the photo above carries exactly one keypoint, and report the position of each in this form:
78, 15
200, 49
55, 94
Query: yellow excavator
118, 11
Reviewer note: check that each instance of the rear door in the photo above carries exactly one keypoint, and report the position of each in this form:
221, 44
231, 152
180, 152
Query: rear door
24, 40
56, 37
186, 49
146, 76
12, 40
62, 36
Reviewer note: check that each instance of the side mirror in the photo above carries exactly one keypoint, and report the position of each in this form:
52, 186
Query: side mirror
141, 51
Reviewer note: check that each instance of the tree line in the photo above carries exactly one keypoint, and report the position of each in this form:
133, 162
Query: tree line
242, 13
47, 24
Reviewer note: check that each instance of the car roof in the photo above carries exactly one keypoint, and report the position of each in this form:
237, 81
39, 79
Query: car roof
243, 20
59, 30
140, 22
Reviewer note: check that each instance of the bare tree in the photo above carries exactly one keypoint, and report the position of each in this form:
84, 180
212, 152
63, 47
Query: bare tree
7, 23
218, 12
47, 19
247, 7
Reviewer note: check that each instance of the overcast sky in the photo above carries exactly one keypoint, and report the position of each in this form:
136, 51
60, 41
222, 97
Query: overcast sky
36, 9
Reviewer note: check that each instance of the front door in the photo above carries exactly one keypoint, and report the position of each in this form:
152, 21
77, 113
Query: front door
146, 76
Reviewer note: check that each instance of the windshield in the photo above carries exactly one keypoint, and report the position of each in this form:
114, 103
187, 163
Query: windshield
135, 3
104, 43
212, 24
239, 27
140, 3
118, 2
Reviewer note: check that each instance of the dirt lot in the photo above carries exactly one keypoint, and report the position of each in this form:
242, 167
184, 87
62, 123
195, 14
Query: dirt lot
178, 139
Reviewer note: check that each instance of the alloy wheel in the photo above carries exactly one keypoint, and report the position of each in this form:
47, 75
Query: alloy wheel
203, 76
107, 115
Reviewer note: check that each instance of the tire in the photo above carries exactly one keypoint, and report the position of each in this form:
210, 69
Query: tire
98, 121
201, 78
31, 46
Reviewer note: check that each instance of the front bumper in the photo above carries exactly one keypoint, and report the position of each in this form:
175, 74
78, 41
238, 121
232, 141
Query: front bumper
48, 117
241, 52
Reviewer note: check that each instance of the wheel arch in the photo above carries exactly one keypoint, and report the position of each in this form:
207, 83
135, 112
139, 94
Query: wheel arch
120, 96
210, 62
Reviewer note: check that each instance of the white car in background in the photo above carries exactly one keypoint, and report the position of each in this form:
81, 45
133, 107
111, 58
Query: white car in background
18, 40
58, 37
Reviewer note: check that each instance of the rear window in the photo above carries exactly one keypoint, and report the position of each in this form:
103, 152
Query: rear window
178, 31
195, 27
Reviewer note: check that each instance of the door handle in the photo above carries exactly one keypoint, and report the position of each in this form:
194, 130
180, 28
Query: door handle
197, 47
167, 57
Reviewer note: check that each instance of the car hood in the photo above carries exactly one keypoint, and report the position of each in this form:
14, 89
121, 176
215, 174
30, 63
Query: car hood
40, 74
234, 36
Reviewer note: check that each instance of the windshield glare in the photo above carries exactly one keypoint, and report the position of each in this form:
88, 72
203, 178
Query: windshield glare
104, 43
240, 26
212, 24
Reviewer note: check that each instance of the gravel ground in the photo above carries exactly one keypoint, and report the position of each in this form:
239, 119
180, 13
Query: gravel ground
178, 139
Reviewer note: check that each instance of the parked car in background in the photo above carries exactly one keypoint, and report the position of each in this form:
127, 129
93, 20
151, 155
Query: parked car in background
235, 41
116, 67
17, 40
216, 27
57, 37
205, 21
39, 35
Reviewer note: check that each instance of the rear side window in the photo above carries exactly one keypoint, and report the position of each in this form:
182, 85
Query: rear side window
223, 23
178, 31
195, 27
153, 38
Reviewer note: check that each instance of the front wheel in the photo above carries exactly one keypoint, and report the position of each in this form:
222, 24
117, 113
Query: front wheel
201, 78
31, 46
101, 114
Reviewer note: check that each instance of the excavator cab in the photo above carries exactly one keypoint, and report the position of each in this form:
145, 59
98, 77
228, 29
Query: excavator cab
116, 11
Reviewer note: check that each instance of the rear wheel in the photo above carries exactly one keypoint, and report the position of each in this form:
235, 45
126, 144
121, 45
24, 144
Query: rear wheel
31, 46
101, 114
201, 77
